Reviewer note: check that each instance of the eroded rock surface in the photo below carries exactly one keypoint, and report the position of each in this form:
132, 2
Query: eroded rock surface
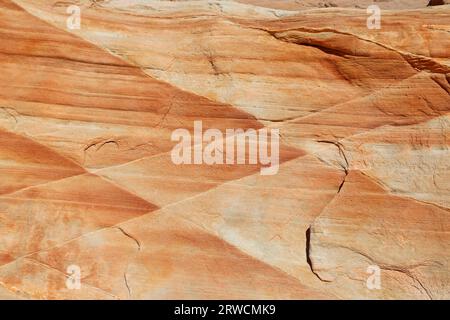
86, 117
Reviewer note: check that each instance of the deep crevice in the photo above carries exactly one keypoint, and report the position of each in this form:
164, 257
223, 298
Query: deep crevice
334, 52
443, 87
308, 252
308, 240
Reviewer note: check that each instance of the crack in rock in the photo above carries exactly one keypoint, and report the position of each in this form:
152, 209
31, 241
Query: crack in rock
138, 244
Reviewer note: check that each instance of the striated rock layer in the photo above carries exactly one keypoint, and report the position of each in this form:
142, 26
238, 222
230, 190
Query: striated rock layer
86, 117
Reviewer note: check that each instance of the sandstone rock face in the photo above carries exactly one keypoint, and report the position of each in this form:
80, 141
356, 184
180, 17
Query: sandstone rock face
360, 205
